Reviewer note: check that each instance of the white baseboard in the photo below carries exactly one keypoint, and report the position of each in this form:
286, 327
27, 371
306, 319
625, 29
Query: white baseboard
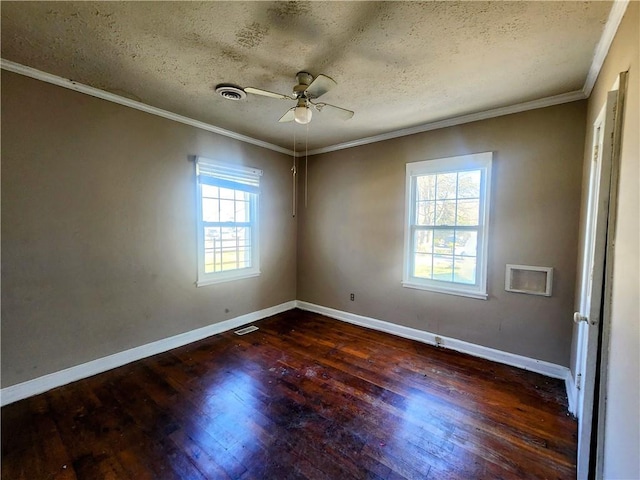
53, 380
526, 363
57, 379
572, 394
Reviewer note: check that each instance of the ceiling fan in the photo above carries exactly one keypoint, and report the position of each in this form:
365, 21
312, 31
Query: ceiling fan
304, 93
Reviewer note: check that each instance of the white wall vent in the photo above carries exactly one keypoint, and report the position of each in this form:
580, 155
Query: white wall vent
244, 331
529, 279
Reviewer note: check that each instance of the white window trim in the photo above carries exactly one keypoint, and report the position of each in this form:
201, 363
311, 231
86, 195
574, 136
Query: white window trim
476, 161
205, 278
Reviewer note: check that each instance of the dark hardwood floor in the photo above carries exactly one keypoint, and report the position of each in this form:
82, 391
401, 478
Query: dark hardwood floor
305, 396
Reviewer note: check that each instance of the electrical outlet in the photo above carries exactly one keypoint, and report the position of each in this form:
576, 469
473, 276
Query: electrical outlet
352, 297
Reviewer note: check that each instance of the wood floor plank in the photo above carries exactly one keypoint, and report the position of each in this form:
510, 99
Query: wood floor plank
303, 397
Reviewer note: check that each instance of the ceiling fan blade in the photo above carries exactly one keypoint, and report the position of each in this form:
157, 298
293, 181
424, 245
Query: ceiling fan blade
289, 116
321, 85
266, 93
332, 110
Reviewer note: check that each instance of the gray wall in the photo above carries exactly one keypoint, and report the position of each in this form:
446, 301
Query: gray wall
99, 234
350, 235
622, 420
98, 219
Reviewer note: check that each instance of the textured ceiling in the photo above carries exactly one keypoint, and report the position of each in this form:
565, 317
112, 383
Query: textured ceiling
398, 64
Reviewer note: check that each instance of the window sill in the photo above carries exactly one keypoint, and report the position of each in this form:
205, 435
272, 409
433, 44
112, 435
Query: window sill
227, 277
448, 291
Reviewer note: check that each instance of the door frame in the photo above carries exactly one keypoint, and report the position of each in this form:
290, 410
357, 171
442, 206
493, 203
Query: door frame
593, 279
599, 423
592, 349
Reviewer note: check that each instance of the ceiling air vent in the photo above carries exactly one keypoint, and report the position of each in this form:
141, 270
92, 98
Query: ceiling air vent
230, 92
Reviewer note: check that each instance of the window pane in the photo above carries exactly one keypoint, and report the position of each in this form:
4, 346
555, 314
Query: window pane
425, 213
244, 258
426, 187
229, 254
229, 261
466, 243
446, 185
422, 266
469, 184
228, 235
227, 210
208, 262
210, 210
242, 211
465, 270
468, 212
445, 213
444, 241
227, 193
211, 236
241, 195
443, 267
244, 235
227, 248
423, 241
210, 191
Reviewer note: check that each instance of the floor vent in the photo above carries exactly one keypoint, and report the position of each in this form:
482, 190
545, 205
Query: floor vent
244, 331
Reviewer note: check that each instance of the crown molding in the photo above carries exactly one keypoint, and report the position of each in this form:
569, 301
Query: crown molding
618, 9
127, 102
450, 122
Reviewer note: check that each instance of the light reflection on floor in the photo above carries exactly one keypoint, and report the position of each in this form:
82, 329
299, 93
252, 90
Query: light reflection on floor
230, 412
419, 426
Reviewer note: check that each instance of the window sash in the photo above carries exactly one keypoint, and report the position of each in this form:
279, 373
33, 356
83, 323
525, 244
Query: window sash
414, 258
453, 254
227, 224
231, 177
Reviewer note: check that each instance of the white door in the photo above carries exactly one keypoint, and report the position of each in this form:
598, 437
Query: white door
591, 294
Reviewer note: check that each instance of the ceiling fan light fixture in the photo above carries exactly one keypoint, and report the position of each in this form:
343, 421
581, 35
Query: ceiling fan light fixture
307, 90
302, 114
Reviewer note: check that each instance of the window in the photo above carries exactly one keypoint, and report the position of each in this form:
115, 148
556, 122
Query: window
227, 221
446, 228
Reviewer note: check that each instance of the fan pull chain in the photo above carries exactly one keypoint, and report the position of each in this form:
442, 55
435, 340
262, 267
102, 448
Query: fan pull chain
306, 166
294, 171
